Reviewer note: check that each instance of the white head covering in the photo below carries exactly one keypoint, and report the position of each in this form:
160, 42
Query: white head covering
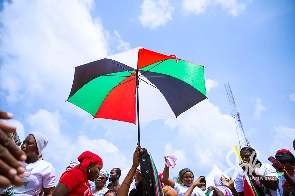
41, 140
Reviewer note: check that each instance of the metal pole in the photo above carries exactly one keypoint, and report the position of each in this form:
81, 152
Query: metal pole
137, 107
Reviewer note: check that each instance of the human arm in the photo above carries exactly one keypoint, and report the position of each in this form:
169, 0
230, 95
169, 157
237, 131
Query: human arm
191, 188
216, 191
239, 183
278, 166
124, 188
286, 188
229, 183
11, 156
166, 180
60, 190
48, 191
270, 182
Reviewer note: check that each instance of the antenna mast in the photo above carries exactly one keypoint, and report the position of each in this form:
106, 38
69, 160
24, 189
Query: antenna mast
243, 141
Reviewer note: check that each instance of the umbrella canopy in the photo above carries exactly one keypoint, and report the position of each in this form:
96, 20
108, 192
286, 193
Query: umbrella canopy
109, 88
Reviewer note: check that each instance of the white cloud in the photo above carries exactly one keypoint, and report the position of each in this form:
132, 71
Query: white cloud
62, 144
155, 13
258, 109
115, 41
283, 138
200, 6
232, 6
292, 97
210, 84
195, 6
207, 133
41, 43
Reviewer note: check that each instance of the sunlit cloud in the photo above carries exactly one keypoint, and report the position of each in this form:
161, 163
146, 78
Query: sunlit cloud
210, 84
155, 13
259, 108
200, 6
283, 138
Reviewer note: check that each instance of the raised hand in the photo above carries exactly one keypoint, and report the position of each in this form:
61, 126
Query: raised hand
10, 155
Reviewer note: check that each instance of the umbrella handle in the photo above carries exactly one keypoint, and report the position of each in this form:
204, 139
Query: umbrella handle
137, 108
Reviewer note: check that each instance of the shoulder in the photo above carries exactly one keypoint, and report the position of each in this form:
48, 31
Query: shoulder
198, 191
267, 169
240, 175
178, 187
45, 165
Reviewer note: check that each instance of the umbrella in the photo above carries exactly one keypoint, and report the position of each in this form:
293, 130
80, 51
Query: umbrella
109, 87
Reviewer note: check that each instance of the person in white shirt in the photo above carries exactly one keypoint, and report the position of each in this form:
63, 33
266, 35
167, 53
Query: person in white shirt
264, 174
184, 182
39, 177
285, 165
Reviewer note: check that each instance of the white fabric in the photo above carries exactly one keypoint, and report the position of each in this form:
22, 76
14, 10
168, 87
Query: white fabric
41, 141
128, 57
281, 180
101, 192
37, 175
265, 170
181, 189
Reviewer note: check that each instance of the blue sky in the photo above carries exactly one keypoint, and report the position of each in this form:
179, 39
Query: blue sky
249, 44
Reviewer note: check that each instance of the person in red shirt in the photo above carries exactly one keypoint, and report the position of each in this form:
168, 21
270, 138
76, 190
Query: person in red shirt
74, 182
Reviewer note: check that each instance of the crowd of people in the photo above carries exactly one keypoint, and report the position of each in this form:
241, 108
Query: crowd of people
23, 171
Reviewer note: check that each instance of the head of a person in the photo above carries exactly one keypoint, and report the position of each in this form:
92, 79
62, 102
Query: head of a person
90, 164
111, 193
185, 177
115, 174
169, 191
287, 159
294, 144
249, 155
34, 143
101, 178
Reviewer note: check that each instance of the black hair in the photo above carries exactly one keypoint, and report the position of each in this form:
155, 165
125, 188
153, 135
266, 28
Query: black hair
111, 191
285, 157
118, 171
253, 152
181, 173
139, 190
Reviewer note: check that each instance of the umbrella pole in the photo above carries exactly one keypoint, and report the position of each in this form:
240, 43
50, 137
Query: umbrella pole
137, 108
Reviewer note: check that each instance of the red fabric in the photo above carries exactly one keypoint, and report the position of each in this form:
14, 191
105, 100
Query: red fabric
283, 150
248, 190
87, 158
160, 177
120, 102
147, 57
76, 182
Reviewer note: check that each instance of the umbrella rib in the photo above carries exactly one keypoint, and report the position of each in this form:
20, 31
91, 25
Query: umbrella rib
126, 81
147, 82
122, 67
143, 72
115, 75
